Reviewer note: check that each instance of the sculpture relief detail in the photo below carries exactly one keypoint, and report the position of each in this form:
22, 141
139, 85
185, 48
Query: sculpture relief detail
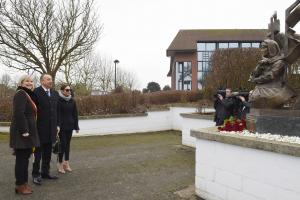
270, 91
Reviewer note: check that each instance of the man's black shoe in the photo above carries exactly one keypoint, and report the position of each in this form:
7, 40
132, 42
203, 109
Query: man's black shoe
48, 176
37, 180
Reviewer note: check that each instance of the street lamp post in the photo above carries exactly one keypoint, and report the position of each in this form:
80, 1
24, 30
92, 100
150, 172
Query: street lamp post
116, 62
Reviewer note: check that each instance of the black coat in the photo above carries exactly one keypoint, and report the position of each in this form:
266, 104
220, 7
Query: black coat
47, 119
68, 115
224, 109
23, 121
242, 109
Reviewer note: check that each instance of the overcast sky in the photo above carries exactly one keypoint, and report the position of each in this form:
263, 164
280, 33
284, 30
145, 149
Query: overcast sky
138, 32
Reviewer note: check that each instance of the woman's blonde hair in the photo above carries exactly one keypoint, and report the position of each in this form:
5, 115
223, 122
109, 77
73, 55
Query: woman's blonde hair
23, 78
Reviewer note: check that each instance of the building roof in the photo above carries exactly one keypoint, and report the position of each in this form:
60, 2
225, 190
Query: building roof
186, 40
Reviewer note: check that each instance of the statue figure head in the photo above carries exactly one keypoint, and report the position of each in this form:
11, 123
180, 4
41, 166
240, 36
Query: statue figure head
270, 48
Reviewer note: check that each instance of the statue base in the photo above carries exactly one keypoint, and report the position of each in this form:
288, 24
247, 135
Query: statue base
274, 121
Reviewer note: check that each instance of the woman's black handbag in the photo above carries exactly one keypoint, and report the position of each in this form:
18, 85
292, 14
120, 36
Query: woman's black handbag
56, 149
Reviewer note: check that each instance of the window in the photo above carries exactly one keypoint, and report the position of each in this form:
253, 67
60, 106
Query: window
201, 46
206, 66
179, 67
206, 46
255, 45
206, 49
200, 79
200, 56
200, 66
210, 46
233, 45
246, 45
184, 75
223, 45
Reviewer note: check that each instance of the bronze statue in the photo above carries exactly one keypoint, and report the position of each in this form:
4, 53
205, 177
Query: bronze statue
270, 91
279, 52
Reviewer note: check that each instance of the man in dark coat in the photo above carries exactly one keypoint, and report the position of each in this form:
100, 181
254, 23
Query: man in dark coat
243, 107
47, 128
224, 107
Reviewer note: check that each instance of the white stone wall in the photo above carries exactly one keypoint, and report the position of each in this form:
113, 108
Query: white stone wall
4, 129
229, 172
176, 119
155, 121
188, 124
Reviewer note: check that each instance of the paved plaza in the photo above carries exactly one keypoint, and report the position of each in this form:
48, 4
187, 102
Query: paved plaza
149, 166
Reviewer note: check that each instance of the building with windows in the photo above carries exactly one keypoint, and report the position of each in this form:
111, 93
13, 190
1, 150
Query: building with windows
190, 52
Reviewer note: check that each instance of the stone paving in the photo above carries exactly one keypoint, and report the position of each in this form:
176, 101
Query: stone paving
147, 166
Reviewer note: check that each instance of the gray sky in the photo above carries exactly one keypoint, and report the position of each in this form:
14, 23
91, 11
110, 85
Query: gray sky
138, 32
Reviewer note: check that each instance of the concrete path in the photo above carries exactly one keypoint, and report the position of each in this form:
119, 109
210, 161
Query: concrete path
150, 166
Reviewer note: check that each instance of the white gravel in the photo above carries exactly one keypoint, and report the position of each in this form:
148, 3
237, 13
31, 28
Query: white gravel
268, 136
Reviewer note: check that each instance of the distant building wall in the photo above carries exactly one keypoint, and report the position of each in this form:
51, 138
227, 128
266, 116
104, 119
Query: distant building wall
197, 46
185, 57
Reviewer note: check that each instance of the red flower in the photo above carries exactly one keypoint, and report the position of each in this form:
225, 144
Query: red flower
233, 125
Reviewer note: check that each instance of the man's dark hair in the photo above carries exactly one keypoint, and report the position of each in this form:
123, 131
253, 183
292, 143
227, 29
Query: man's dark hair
44, 74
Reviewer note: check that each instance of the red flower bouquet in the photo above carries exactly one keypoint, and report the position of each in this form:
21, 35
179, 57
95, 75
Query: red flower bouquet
233, 124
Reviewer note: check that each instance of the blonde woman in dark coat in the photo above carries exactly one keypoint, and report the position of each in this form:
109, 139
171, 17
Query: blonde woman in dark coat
23, 132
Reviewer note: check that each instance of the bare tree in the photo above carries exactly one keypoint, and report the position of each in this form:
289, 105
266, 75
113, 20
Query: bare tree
44, 35
5, 80
105, 74
5, 85
132, 81
127, 79
95, 72
231, 68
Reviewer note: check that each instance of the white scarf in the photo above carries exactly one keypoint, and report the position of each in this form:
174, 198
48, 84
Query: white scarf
64, 97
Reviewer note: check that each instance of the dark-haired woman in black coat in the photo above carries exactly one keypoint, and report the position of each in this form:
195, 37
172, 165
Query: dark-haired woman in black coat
23, 132
68, 121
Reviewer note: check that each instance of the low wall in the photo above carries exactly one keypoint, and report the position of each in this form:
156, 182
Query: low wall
233, 167
152, 121
131, 123
194, 121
